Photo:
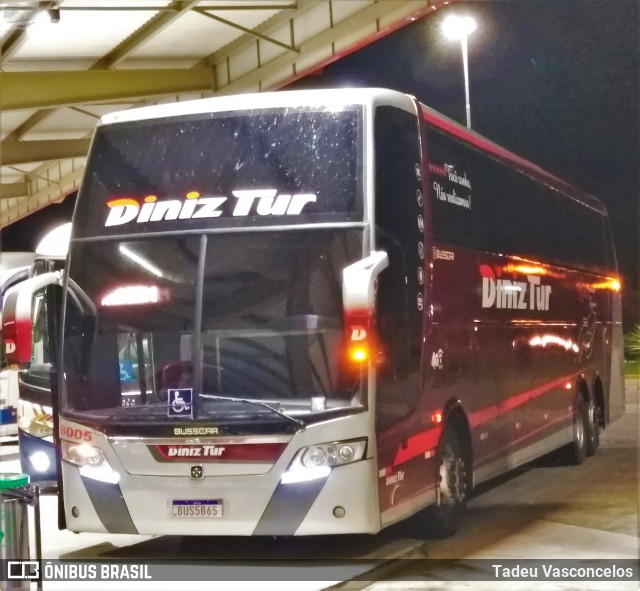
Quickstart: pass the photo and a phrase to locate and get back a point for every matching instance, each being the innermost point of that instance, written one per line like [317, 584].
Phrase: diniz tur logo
[512, 294]
[262, 202]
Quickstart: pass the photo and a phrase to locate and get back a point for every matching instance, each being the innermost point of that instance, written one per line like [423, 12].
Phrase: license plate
[206, 508]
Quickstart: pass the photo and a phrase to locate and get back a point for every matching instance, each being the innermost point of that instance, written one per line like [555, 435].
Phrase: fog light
[75, 511]
[339, 512]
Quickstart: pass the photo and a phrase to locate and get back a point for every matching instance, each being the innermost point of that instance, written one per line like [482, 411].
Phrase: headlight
[90, 461]
[40, 461]
[316, 461]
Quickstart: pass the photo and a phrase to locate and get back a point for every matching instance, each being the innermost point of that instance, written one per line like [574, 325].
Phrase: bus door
[402, 471]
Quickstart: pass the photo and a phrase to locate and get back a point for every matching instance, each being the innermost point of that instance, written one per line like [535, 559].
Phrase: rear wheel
[578, 447]
[593, 428]
[444, 517]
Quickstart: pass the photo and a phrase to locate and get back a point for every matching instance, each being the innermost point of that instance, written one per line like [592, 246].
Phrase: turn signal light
[359, 353]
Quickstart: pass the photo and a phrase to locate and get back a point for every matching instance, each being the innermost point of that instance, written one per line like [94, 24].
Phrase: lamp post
[460, 27]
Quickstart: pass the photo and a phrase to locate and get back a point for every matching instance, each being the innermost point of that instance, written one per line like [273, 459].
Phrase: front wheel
[444, 517]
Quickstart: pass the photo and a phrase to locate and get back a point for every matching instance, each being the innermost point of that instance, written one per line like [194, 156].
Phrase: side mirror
[17, 323]
[358, 300]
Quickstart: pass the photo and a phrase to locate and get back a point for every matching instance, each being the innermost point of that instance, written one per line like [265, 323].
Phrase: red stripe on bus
[428, 440]
[491, 412]
[417, 445]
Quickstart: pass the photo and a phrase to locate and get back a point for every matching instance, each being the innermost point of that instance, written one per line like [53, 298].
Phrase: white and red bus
[320, 312]
[35, 412]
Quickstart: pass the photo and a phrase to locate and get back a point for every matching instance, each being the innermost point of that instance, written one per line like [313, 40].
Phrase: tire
[444, 517]
[577, 450]
[593, 428]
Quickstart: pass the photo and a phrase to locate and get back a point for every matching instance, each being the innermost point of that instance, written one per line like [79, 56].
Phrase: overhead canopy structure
[66, 63]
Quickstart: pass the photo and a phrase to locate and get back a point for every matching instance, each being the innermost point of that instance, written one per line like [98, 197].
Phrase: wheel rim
[579, 427]
[594, 418]
[453, 479]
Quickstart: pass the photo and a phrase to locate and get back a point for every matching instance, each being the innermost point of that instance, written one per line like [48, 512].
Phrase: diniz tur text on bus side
[318, 312]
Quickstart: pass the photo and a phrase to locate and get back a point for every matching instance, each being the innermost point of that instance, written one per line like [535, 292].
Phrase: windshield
[271, 167]
[163, 328]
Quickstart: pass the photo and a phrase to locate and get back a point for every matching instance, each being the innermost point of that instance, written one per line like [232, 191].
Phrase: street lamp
[460, 27]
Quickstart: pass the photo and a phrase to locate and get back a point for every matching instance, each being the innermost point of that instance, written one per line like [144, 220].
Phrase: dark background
[556, 81]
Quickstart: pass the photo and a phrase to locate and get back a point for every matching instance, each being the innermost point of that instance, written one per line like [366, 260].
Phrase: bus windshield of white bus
[176, 317]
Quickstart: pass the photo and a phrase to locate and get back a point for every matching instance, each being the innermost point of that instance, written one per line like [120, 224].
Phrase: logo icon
[180, 402]
[197, 473]
[23, 569]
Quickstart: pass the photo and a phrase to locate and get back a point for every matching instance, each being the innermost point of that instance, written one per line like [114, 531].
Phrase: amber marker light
[526, 269]
[612, 284]
[568, 386]
[436, 417]
[359, 354]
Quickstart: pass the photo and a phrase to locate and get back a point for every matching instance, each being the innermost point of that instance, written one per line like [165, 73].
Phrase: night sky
[556, 81]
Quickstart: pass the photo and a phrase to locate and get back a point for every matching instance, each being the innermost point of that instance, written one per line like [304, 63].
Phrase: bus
[35, 412]
[14, 267]
[319, 312]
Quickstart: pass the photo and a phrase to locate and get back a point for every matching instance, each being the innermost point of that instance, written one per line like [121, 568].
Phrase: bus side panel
[532, 333]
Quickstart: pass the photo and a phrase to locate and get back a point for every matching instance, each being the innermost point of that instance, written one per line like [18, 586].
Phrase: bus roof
[338, 97]
[335, 97]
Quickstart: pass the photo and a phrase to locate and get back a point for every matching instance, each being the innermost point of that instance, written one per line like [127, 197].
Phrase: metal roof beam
[30, 123]
[42, 197]
[365, 18]
[264, 29]
[14, 40]
[251, 32]
[158, 23]
[36, 90]
[124, 8]
[35, 151]
[10, 190]
[154, 26]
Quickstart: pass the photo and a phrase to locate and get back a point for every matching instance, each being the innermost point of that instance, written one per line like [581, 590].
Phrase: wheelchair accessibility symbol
[180, 402]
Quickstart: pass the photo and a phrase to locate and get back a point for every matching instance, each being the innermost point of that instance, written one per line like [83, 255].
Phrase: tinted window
[480, 203]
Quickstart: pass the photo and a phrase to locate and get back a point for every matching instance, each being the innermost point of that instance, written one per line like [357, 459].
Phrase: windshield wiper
[257, 403]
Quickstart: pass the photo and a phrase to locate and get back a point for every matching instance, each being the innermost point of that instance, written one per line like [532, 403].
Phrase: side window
[399, 232]
[487, 205]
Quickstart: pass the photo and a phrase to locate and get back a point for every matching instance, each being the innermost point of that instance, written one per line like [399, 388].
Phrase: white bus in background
[14, 268]
[35, 414]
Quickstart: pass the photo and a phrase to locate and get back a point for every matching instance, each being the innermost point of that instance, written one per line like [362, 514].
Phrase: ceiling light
[54, 14]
